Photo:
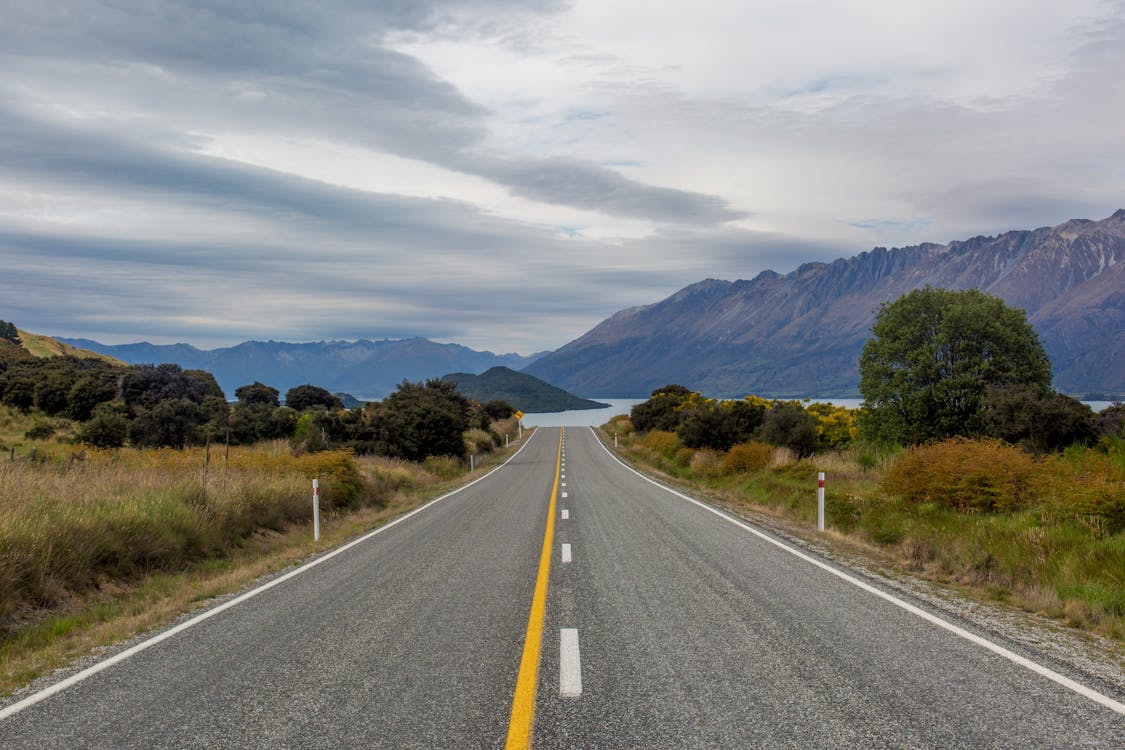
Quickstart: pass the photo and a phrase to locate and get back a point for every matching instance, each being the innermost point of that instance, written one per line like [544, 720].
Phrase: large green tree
[423, 419]
[934, 355]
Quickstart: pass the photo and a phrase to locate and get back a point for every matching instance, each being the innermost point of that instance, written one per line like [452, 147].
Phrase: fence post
[316, 510]
[820, 501]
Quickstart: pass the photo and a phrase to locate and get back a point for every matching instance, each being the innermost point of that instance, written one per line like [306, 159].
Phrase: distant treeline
[167, 406]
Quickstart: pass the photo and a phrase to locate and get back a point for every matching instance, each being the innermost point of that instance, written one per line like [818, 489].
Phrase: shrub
[107, 428]
[748, 456]
[478, 441]
[498, 410]
[719, 425]
[966, 475]
[1085, 485]
[662, 442]
[684, 456]
[790, 426]
[40, 431]
[1111, 420]
[836, 426]
[662, 410]
[622, 425]
[423, 419]
[707, 462]
[1042, 422]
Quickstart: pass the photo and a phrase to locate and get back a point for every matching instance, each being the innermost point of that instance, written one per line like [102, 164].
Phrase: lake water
[582, 417]
[597, 417]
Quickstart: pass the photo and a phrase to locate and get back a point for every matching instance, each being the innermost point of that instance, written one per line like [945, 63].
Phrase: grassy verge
[97, 550]
[1042, 536]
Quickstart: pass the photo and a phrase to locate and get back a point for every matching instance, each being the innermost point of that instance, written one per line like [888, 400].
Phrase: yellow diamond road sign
[519, 415]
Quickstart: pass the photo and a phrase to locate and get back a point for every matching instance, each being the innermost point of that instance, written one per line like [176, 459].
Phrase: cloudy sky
[505, 174]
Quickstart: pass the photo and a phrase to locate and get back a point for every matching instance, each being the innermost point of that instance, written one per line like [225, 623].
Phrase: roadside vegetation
[964, 467]
[100, 544]
[132, 493]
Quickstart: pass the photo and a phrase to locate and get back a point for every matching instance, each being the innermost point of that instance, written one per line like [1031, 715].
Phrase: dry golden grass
[61, 611]
[65, 525]
[46, 346]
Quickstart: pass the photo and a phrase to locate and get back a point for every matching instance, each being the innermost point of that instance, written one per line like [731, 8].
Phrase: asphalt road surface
[666, 625]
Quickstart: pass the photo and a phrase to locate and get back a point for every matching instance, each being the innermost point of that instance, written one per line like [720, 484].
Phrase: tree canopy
[257, 393]
[303, 397]
[423, 419]
[933, 358]
[9, 332]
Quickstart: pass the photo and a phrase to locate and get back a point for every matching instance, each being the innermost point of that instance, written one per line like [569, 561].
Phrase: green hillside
[45, 346]
[525, 392]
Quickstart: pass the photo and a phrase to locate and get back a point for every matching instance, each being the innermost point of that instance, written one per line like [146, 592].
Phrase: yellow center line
[523, 704]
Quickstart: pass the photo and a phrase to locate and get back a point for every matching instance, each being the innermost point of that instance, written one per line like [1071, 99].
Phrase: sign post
[316, 510]
[519, 421]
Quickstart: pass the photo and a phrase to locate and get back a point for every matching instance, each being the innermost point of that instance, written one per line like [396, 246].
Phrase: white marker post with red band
[820, 501]
[316, 511]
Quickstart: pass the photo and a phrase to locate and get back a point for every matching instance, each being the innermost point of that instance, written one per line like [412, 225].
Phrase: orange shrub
[969, 475]
[748, 456]
[621, 425]
[684, 456]
[1087, 485]
[664, 443]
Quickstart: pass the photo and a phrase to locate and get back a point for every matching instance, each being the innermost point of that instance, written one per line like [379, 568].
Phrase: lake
[582, 417]
[597, 417]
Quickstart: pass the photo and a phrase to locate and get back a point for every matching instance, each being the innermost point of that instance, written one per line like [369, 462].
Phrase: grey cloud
[581, 184]
[314, 70]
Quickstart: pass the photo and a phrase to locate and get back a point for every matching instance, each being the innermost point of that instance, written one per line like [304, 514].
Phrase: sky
[506, 174]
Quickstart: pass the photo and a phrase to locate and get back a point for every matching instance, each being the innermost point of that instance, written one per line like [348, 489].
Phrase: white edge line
[1023, 661]
[90, 671]
[570, 664]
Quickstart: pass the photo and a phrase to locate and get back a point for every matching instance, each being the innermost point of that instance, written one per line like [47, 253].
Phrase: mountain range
[797, 334]
[368, 369]
[800, 334]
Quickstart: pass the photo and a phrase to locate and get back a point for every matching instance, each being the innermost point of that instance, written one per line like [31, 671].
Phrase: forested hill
[524, 392]
[801, 334]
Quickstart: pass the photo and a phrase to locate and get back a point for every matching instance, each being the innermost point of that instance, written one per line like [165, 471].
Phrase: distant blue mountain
[368, 369]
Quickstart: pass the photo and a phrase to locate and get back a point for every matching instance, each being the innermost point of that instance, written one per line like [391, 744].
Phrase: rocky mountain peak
[800, 334]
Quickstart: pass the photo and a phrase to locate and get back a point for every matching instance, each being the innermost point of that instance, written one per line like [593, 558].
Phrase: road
[682, 630]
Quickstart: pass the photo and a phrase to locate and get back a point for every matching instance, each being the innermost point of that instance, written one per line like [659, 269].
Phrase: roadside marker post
[316, 510]
[820, 501]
